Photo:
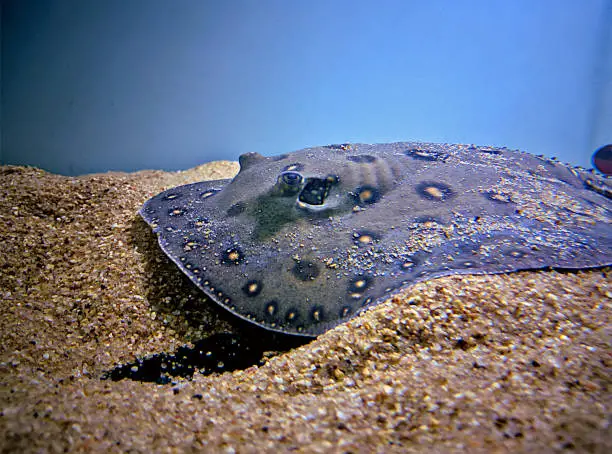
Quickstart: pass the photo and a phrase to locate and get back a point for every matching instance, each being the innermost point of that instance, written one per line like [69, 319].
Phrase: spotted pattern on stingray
[496, 196]
[252, 288]
[432, 190]
[172, 196]
[271, 308]
[304, 241]
[358, 285]
[424, 154]
[486, 149]
[176, 212]
[208, 193]
[232, 256]
[295, 167]
[365, 237]
[366, 195]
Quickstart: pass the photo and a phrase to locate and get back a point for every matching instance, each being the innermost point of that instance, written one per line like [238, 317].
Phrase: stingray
[304, 241]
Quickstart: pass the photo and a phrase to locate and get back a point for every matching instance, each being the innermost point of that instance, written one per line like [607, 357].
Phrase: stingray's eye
[290, 183]
[291, 178]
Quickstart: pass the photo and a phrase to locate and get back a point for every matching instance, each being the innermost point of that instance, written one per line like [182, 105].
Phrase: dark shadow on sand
[227, 343]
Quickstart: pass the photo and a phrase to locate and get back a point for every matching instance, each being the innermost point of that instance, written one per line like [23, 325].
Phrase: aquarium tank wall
[90, 86]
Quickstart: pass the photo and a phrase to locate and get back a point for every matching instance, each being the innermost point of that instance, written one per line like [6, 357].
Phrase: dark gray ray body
[301, 242]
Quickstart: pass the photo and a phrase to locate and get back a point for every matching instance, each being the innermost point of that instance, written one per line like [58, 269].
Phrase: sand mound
[507, 363]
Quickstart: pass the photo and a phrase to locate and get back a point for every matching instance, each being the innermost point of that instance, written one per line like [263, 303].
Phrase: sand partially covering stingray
[505, 363]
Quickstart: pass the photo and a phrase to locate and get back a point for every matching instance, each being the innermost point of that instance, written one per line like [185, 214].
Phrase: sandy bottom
[505, 363]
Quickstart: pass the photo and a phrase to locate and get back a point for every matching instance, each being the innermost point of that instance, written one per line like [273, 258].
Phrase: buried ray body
[304, 241]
